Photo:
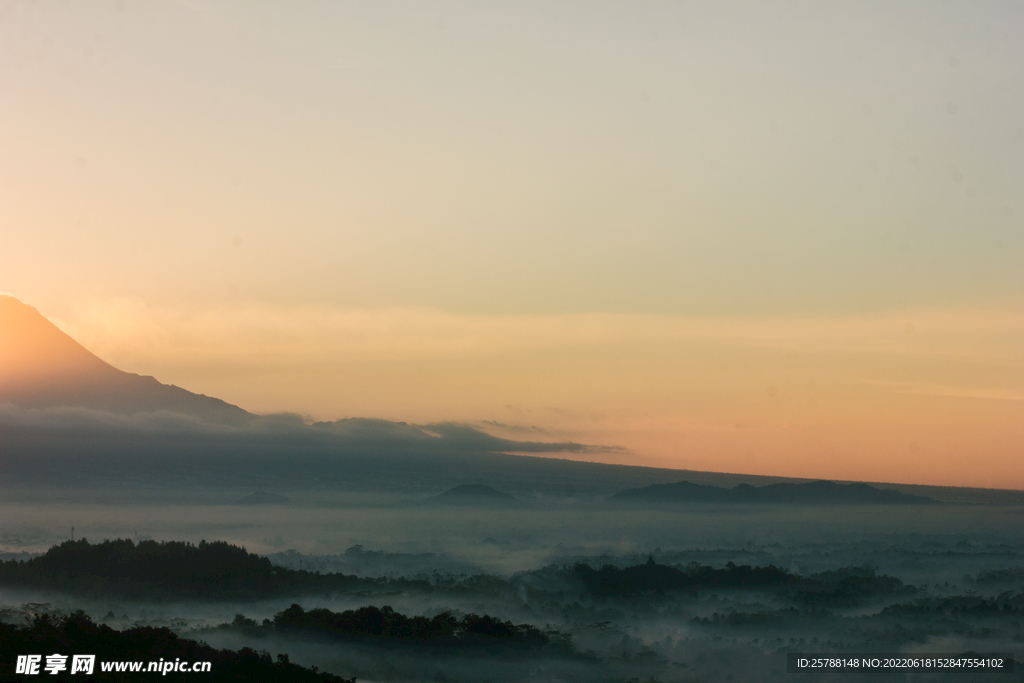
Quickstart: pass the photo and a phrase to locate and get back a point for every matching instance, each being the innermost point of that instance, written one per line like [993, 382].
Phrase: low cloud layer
[360, 433]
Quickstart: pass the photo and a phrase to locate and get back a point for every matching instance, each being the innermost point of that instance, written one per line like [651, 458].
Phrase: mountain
[41, 367]
[814, 492]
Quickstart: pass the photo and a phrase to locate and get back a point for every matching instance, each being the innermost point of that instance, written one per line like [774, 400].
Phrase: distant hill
[41, 367]
[173, 570]
[472, 494]
[815, 492]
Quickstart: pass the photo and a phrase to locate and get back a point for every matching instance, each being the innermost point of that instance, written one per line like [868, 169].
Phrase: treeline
[173, 569]
[850, 591]
[961, 617]
[845, 588]
[1001, 577]
[78, 634]
[961, 605]
[385, 626]
[653, 577]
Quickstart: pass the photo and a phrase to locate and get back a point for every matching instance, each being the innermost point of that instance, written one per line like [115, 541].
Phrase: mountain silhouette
[41, 367]
[814, 492]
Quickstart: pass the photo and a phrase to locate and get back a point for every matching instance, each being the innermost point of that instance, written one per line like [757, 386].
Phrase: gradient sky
[775, 238]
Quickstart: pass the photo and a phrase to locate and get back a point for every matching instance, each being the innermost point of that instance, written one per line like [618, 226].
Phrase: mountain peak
[42, 367]
[35, 353]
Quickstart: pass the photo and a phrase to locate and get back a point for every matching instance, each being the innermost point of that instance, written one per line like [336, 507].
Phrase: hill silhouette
[173, 570]
[475, 491]
[41, 367]
[846, 587]
[385, 626]
[814, 492]
[474, 494]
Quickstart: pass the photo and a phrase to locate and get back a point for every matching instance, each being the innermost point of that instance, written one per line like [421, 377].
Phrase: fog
[959, 570]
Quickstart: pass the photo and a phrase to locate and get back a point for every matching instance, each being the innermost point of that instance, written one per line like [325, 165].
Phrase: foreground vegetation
[78, 634]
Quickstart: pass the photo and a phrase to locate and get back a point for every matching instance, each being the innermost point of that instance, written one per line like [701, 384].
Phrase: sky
[771, 238]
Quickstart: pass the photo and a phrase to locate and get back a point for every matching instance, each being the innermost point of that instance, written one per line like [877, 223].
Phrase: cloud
[73, 419]
[353, 433]
[527, 429]
[474, 439]
[450, 436]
